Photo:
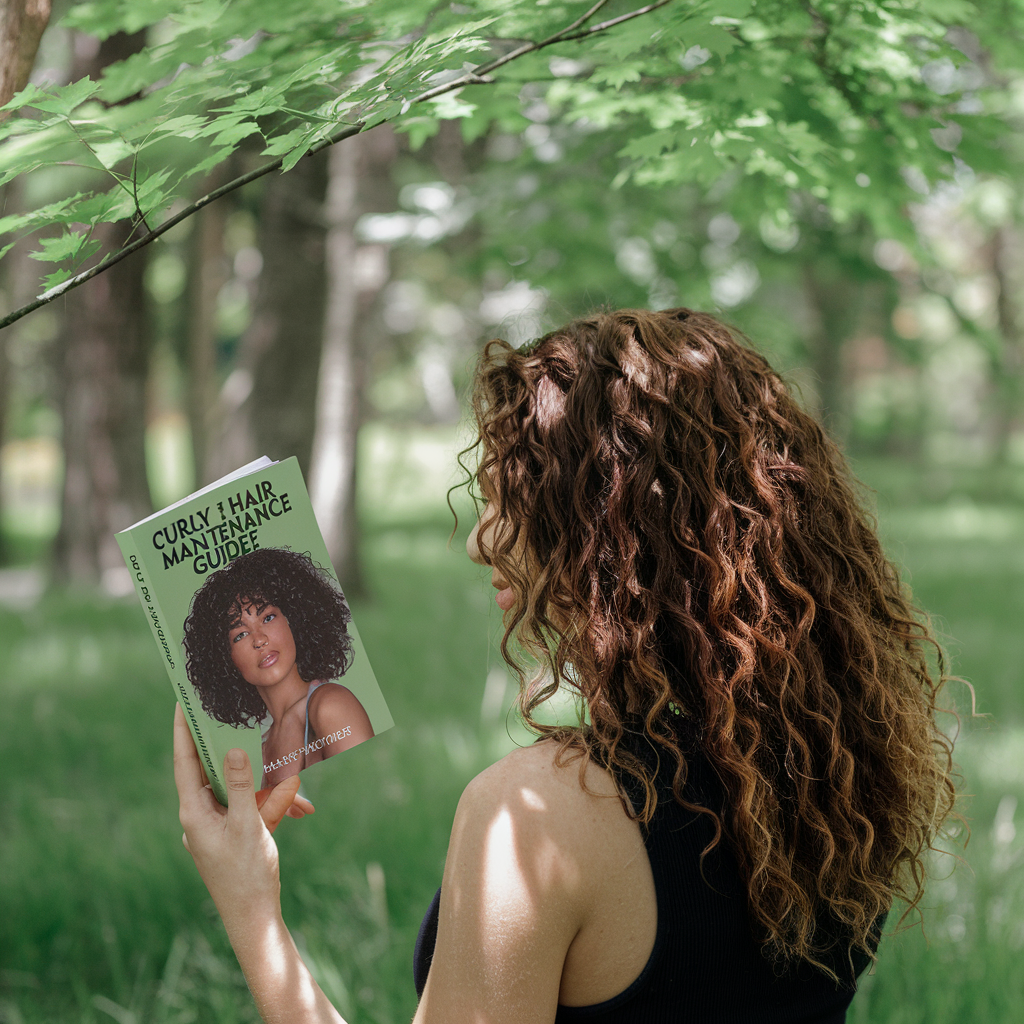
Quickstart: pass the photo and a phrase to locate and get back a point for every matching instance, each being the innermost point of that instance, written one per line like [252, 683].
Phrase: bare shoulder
[333, 706]
[536, 770]
[545, 802]
[332, 695]
[531, 854]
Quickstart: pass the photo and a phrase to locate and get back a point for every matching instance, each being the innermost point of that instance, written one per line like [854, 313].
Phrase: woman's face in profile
[482, 538]
[262, 645]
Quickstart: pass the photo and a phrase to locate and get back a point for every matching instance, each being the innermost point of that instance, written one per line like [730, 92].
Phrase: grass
[102, 915]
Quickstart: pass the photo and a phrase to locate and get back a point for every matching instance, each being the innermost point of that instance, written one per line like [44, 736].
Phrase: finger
[301, 807]
[238, 779]
[280, 800]
[304, 805]
[188, 770]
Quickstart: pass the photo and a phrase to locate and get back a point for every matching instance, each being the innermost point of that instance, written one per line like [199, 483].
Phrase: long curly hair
[317, 614]
[689, 556]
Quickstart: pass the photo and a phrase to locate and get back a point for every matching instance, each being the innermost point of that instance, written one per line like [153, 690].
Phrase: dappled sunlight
[30, 479]
[504, 870]
[405, 474]
[169, 462]
[510, 870]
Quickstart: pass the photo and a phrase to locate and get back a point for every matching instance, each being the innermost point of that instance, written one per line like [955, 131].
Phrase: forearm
[282, 987]
[237, 859]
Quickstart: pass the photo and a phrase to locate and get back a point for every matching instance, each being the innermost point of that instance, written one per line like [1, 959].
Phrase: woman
[760, 775]
[262, 639]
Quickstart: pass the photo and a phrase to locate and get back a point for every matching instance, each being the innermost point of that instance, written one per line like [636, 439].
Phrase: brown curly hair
[696, 555]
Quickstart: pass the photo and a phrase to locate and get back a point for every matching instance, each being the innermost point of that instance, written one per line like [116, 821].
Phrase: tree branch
[478, 75]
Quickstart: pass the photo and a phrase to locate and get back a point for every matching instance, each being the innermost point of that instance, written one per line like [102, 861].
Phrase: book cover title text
[233, 531]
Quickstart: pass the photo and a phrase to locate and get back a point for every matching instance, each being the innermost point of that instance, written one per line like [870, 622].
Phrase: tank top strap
[309, 696]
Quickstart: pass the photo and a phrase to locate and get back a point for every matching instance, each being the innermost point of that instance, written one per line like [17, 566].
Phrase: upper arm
[510, 902]
[335, 709]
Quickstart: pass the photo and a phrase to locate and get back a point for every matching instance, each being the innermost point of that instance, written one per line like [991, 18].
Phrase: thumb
[238, 780]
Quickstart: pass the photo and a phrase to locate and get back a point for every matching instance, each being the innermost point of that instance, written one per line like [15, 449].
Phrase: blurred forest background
[334, 312]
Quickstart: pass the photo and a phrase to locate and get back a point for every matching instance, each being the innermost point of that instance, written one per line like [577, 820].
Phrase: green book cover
[253, 626]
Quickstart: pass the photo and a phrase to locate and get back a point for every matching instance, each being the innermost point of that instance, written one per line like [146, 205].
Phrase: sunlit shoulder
[535, 865]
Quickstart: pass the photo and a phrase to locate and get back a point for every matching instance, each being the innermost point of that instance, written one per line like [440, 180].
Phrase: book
[253, 626]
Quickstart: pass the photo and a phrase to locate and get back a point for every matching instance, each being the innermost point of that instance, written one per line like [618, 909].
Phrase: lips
[505, 598]
[269, 659]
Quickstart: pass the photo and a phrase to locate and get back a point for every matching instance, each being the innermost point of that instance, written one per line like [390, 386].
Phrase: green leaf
[111, 153]
[64, 99]
[419, 129]
[649, 146]
[616, 75]
[386, 112]
[57, 277]
[451, 106]
[70, 245]
[62, 211]
[150, 190]
[234, 134]
[727, 8]
[218, 156]
[710, 37]
[184, 126]
[299, 152]
[625, 40]
[281, 144]
[26, 98]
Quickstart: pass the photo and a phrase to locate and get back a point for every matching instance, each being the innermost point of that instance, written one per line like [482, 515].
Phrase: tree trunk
[21, 27]
[359, 181]
[835, 302]
[103, 364]
[19, 279]
[102, 372]
[268, 402]
[1006, 251]
[208, 271]
[333, 479]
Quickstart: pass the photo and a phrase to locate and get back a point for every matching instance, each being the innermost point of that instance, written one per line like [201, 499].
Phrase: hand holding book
[236, 856]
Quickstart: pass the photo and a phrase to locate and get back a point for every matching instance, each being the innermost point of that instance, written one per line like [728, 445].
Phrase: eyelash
[269, 617]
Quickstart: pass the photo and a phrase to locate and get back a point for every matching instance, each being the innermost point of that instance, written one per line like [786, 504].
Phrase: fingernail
[236, 758]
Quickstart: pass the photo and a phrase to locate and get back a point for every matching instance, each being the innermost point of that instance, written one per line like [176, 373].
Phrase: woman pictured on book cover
[263, 640]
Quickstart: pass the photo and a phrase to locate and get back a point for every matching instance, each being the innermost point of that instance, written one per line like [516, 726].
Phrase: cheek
[285, 639]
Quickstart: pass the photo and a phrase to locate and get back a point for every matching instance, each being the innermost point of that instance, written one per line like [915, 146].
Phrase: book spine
[172, 661]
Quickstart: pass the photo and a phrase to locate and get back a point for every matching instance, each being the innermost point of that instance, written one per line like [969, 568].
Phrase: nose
[472, 545]
[259, 637]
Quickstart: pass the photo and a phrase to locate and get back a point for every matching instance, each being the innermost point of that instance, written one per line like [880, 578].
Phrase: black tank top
[707, 965]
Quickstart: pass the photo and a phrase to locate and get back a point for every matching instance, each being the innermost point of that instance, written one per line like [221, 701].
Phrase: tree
[276, 372]
[359, 181]
[103, 368]
[22, 23]
[793, 96]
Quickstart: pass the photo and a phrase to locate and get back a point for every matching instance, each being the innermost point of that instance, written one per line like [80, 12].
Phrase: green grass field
[102, 915]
